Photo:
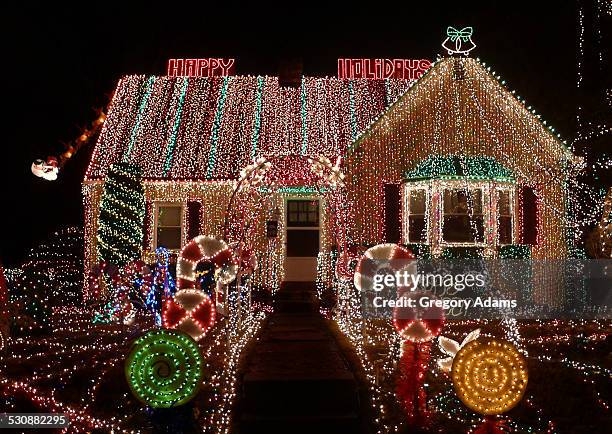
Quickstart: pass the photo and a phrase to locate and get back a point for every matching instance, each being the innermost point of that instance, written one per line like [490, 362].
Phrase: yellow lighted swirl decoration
[489, 376]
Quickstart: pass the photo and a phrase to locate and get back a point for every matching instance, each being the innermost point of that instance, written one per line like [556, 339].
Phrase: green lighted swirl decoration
[164, 368]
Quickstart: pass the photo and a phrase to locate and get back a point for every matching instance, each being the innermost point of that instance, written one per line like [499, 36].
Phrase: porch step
[296, 297]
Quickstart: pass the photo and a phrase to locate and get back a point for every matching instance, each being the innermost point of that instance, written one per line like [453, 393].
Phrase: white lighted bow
[330, 173]
[451, 348]
[253, 174]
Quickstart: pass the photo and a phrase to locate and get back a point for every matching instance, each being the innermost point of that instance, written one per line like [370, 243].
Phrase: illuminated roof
[210, 128]
[461, 107]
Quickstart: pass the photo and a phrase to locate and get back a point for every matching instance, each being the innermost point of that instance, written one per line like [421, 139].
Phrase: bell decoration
[459, 41]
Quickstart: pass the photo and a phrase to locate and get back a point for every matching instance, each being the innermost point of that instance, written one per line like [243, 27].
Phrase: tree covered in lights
[50, 276]
[122, 212]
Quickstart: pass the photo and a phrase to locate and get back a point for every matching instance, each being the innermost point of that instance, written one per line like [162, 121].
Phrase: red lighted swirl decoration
[191, 310]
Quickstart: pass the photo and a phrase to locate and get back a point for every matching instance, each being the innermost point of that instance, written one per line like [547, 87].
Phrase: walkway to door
[296, 379]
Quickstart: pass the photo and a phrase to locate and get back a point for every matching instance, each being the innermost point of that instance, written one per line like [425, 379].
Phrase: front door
[302, 240]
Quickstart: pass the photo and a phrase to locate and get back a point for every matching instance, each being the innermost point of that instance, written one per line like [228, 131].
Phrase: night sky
[64, 62]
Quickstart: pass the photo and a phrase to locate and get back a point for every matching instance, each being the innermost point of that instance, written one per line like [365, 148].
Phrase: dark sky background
[62, 62]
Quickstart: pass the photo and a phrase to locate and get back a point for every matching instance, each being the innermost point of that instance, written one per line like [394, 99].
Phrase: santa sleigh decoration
[46, 169]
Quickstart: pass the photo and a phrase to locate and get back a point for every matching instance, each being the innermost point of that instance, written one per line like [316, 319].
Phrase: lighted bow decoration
[451, 347]
[330, 173]
[459, 41]
[48, 169]
[253, 174]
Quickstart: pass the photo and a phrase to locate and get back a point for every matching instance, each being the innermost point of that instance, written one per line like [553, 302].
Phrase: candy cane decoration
[204, 248]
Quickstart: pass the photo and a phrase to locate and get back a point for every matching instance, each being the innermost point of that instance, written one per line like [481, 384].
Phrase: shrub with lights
[60, 259]
[30, 296]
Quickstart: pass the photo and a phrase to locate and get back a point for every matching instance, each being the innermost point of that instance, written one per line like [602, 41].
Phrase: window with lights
[453, 201]
[169, 226]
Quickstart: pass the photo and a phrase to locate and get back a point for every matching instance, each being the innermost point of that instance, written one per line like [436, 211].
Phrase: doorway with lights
[302, 235]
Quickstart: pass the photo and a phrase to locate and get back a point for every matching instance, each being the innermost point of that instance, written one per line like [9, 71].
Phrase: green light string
[214, 137]
[460, 167]
[139, 115]
[175, 127]
[255, 137]
[304, 118]
[292, 190]
[352, 111]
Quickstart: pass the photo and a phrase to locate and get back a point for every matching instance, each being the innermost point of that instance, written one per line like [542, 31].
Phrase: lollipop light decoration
[416, 326]
[391, 255]
[164, 368]
[490, 378]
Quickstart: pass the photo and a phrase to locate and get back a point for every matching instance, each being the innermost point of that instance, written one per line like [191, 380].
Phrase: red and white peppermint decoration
[418, 324]
[369, 264]
[190, 311]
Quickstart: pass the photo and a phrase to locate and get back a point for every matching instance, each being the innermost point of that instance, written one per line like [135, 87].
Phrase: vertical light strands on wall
[304, 111]
[461, 115]
[215, 109]
[122, 209]
[257, 122]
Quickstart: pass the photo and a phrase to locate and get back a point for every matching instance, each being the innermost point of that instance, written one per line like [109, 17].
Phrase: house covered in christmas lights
[452, 161]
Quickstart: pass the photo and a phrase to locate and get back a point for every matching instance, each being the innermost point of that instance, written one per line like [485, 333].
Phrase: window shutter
[392, 213]
[147, 230]
[194, 209]
[529, 216]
